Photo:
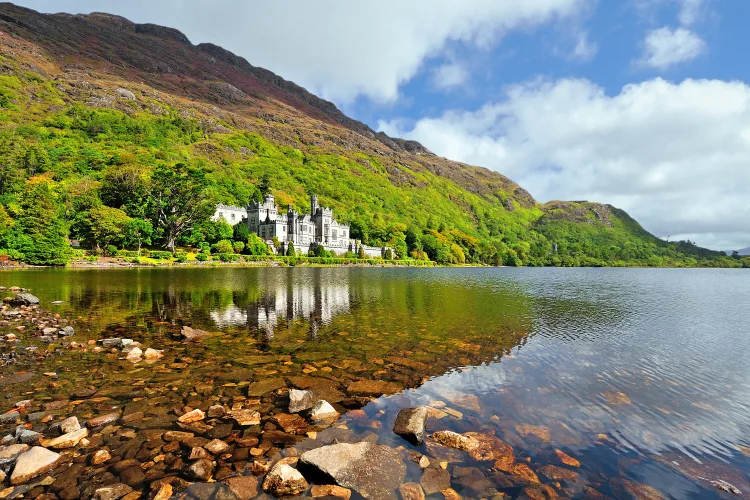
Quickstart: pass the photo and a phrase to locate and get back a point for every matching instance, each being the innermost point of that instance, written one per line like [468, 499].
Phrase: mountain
[91, 105]
[743, 252]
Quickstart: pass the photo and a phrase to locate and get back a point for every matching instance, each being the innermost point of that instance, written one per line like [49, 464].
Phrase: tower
[313, 204]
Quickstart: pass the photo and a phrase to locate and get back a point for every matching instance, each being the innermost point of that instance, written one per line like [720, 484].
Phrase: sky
[642, 104]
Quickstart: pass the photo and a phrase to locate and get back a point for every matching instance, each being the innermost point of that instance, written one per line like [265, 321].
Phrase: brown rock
[411, 491]
[177, 436]
[202, 470]
[264, 386]
[451, 494]
[109, 418]
[164, 493]
[245, 417]
[192, 334]
[373, 387]
[567, 459]
[100, 457]
[330, 490]
[192, 416]
[283, 479]
[434, 480]
[290, 423]
[32, 463]
[555, 473]
[624, 489]
[216, 446]
[243, 487]
[68, 440]
[454, 440]
[112, 492]
[540, 433]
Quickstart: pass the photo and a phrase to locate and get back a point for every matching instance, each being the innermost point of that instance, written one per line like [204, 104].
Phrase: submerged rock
[455, 440]
[300, 400]
[283, 479]
[102, 420]
[323, 412]
[330, 491]
[411, 491]
[32, 463]
[193, 334]
[410, 424]
[70, 424]
[24, 299]
[245, 417]
[629, 490]
[68, 440]
[192, 416]
[374, 471]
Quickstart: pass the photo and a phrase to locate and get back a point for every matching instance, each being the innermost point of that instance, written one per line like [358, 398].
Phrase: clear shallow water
[638, 373]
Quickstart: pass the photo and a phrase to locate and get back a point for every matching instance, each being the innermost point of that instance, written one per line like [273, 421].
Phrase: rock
[435, 480]
[112, 492]
[24, 299]
[68, 440]
[215, 411]
[10, 417]
[533, 431]
[293, 424]
[8, 454]
[330, 490]
[411, 491]
[67, 331]
[217, 446]
[125, 94]
[100, 457]
[113, 342]
[567, 459]
[192, 416]
[134, 355]
[198, 453]
[243, 487]
[70, 424]
[300, 400]
[177, 436]
[374, 471]
[451, 494]
[132, 476]
[202, 470]
[555, 473]
[164, 493]
[264, 386]
[109, 418]
[323, 411]
[492, 448]
[424, 462]
[32, 463]
[373, 387]
[628, 490]
[455, 440]
[245, 417]
[192, 334]
[283, 479]
[410, 424]
[27, 436]
[152, 354]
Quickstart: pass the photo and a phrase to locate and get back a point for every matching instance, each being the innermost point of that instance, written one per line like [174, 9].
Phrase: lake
[640, 375]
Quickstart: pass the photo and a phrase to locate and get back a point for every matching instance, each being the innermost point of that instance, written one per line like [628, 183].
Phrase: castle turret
[313, 204]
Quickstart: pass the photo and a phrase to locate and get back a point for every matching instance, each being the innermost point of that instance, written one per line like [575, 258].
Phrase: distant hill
[744, 252]
[93, 104]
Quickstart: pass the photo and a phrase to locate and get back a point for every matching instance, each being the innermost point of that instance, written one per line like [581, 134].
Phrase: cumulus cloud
[584, 49]
[690, 11]
[674, 156]
[665, 47]
[448, 76]
[340, 50]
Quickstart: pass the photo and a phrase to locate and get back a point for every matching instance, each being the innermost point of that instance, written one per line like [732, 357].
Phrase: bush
[112, 250]
[205, 247]
[238, 246]
[160, 254]
[228, 257]
[223, 246]
[201, 257]
[181, 257]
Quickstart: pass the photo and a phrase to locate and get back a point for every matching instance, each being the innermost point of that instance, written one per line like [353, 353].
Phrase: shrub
[181, 257]
[201, 257]
[223, 246]
[112, 250]
[238, 246]
[160, 254]
[205, 247]
[228, 257]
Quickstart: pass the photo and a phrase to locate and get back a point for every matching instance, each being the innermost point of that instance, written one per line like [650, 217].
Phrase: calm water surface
[638, 373]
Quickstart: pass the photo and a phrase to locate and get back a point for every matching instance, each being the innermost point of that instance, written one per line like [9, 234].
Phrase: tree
[238, 246]
[265, 185]
[125, 187]
[256, 246]
[138, 232]
[361, 252]
[108, 226]
[290, 251]
[36, 160]
[223, 246]
[388, 254]
[241, 232]
[43, 238]
[178, 201]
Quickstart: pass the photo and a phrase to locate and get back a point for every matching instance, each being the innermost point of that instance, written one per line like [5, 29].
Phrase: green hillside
[93, 155]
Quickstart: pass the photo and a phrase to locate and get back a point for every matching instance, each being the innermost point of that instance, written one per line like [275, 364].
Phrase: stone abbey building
[304, 231]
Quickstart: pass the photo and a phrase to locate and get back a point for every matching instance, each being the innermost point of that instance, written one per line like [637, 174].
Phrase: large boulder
[374, 471]
[32, 463]
[300, 400]
[24, 299]
[410, 424]
[283, 480]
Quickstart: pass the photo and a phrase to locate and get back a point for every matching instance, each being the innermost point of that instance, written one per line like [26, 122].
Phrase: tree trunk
[170, 242]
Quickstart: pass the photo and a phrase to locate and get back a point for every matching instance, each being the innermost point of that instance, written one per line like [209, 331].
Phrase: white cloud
[451, 75]
[674, 156]
[342, 49]
[690, 11]
[584, 50]
[665, 47]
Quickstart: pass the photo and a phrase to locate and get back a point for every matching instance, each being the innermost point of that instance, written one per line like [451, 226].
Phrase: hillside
[94, 108]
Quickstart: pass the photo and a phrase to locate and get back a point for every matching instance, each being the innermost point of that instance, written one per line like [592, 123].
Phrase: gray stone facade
[304, 231]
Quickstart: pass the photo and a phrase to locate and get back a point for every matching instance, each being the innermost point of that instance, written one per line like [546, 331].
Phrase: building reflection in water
[315, 299]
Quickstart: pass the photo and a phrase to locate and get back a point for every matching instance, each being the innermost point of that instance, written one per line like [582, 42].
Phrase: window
[335, 234]
[232, 216]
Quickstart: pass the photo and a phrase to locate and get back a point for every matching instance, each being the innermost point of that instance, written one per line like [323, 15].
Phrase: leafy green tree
[138, 232]
[43, 238]
[290, 251]
[265, 185]
[36, 160]
[241, 232]
[125, 187]
[178, 201]
[238, 246]
[108, 226]
[361, 252]
[223, 246]
[388, 254]
[256, 246]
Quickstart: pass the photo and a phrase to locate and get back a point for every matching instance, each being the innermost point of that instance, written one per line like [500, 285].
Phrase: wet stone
[283, 479]
[192, 416]
[216, 447]
[32, 463]
[112, 492]
[243, 487]
[455, 440]
[435, 480]
[373, 387]
[202, 470]
[109, 418]
[300, 400]
[410, 424]
[9, 418]
[411, 491]
[70, 424]
[624, 489]
[265, 386]
[374, 471]
[555, 473]
[322, 411]
[100, 457]
[215, 411]
[331, 491]
[68, 440]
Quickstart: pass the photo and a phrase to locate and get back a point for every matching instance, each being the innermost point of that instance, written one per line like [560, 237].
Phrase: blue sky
[643, 104]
